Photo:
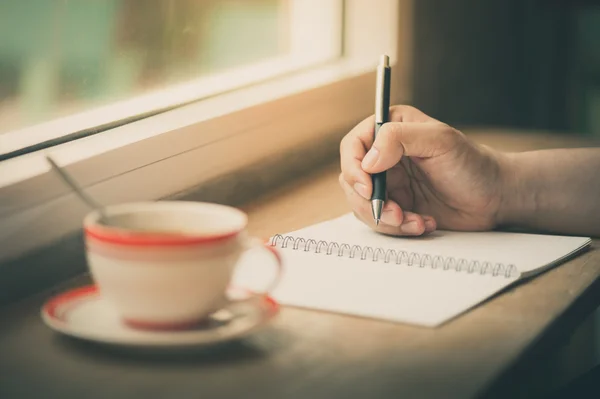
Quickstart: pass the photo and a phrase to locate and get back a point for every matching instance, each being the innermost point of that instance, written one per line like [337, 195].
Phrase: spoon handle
[82, 194]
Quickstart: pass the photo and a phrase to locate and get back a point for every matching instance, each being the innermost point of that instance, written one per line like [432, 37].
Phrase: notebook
[343, 266]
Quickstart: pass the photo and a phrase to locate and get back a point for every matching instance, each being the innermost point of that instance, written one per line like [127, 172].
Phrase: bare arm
[552, 190]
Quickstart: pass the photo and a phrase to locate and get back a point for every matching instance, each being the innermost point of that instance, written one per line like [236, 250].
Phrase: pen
[382, 110]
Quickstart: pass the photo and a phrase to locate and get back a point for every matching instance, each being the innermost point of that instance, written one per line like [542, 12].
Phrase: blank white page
[408, 294]
[391, 292]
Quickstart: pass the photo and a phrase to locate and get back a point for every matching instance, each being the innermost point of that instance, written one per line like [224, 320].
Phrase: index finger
[352, 151]
[365, 130]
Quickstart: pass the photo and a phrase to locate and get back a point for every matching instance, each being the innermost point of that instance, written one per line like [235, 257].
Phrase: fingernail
[429, 224]
[362, 190]
[388, 218]
[371, 158]
[410, 227]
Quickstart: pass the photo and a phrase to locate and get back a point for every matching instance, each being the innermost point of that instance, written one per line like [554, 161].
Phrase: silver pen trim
[377, 207]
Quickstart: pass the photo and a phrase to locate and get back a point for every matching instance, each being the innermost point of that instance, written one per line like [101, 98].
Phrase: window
[279, 74]
[92, 65]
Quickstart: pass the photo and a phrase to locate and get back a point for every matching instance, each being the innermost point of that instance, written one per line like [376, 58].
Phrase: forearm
[552, 190]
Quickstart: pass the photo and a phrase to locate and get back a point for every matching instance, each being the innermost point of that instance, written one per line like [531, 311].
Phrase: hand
[436, 177]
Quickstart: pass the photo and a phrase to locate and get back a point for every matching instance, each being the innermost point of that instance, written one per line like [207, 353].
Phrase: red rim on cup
[130, 236]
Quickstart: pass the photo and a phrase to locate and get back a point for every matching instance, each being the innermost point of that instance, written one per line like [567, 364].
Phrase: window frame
[159, 156]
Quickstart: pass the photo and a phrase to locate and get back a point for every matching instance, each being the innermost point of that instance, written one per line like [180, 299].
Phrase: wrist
[517, 191]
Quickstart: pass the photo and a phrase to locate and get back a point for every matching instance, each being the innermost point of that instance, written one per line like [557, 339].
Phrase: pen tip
[377, 207]
[385, 60]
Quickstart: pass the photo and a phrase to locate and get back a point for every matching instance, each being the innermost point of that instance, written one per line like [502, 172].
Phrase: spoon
[92, 203]
[79, 191]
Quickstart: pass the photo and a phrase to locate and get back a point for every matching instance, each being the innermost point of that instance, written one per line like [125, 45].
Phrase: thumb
[417, 139]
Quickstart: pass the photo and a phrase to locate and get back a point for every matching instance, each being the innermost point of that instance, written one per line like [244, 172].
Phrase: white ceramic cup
[168, 264]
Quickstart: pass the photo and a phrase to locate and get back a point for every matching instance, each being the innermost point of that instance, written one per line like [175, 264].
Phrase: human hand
[436, 177]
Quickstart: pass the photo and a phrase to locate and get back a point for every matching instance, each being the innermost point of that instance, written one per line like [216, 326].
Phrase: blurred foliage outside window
[62, 57]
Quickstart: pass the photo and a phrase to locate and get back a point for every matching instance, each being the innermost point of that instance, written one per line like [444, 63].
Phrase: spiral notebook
[343, 266]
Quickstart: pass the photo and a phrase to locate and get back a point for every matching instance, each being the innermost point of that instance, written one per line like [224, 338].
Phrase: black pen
[382, 111]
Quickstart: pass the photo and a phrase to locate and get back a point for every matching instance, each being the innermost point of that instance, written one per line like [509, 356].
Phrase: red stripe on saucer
[51, 308]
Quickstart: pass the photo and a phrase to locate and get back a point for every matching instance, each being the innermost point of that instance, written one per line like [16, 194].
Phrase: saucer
[84, 314]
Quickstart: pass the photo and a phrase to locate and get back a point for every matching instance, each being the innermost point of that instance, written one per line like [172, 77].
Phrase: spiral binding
[397, 257]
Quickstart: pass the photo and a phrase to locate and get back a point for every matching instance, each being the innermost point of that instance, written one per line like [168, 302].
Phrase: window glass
[58, 58]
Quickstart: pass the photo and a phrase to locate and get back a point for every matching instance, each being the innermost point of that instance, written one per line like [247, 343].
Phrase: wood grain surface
[308, 354]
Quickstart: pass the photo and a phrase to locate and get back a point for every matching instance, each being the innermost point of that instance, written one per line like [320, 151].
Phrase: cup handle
[254, 243]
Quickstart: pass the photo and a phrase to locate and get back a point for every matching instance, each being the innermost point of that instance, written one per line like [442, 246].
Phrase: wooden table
[488, 351]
